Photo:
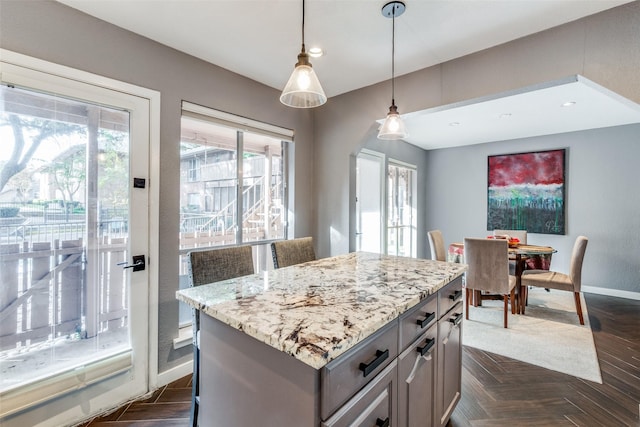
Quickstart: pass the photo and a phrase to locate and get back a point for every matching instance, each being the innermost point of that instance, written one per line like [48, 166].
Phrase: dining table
[524, 257]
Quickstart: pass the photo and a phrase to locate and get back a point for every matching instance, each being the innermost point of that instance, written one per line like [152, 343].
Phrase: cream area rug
[548, 335]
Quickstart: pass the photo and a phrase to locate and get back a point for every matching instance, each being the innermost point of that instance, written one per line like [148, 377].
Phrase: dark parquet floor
[496, 391]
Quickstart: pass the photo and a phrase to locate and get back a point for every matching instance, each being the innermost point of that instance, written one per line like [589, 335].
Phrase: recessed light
[454, 124]
[505, 115]
[569, 104]
[315, 52]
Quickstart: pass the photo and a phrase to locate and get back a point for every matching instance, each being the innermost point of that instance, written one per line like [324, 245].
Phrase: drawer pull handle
[456, 295]
[382, 423]
[381, 356]
[428, 318]
[456, 319]
[427, 346]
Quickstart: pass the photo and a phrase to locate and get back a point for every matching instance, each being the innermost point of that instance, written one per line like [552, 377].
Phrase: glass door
[401, 210]
[74, 311]
[369, 202]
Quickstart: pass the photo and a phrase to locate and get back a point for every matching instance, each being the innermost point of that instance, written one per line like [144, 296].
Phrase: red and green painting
[526, 191]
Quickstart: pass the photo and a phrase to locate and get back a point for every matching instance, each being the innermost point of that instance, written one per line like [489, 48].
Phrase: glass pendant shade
[303, 90]
[393, 126]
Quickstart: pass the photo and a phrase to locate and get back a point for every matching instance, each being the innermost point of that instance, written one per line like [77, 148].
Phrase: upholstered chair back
[215, 265]
[292, 252]
[488, 261]
[518, 234]
[436, 243]
[577, 257]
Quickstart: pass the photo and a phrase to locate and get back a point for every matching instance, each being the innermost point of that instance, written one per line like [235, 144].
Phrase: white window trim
[236, 122]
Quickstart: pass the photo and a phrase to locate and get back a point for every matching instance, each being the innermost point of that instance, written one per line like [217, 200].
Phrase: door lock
[138, 263]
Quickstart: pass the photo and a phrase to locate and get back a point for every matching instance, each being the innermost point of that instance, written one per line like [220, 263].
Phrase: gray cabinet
[374, 405]
[416, 381]
[421, 381]
[406, 374]
[449, 359]
[343, 377]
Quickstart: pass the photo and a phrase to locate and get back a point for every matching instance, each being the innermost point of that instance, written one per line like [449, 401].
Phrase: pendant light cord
[393, 55]
[303, 24]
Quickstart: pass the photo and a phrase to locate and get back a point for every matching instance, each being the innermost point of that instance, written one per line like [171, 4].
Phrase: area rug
[548, 335]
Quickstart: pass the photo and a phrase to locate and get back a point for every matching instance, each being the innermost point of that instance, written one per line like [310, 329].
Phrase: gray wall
[603, 201]
[56, 33]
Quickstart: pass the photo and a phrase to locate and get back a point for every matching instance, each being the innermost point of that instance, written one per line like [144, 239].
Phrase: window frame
[241, 126]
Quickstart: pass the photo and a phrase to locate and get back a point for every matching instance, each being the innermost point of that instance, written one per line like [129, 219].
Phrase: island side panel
[245, 382]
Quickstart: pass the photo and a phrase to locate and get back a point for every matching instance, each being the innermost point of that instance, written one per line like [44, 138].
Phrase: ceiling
[566, 105]
[260, 39]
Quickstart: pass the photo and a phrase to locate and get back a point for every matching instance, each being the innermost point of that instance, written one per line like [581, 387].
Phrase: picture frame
[526, 191]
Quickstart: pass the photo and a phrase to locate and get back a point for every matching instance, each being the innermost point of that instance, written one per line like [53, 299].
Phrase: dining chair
[291, 252]
[488, 271]
[205, 267]
[436, 243]
[521, 235]
[571, 282]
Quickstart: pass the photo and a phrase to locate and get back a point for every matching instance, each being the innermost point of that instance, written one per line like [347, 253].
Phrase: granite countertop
[318, 310]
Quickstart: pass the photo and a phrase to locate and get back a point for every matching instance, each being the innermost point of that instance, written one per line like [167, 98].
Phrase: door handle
[138, 263]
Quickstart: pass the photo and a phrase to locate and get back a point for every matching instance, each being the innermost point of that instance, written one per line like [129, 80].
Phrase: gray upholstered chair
[518, 234]
[436, 243]
[571, 282]
[291, 252]
[205, 267]
[488, 262]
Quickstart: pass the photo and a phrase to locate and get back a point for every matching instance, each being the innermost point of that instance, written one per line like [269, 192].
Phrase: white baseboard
[611, 292]
[175, 373]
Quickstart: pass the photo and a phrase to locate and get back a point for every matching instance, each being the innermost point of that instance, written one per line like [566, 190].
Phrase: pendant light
[303, 89]
[393, 126]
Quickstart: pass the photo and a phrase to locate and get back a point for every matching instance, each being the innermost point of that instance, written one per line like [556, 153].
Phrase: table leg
[521, 291]
[477, 298]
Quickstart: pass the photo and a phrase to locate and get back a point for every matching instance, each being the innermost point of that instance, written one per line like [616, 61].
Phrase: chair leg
[195, 387]
[513, 301]
[576, 297]
[506, 308]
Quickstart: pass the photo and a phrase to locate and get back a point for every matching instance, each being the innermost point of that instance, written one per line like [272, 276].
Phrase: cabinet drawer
[373, 406]
[417, 320]
[449, 296]
[346, 375]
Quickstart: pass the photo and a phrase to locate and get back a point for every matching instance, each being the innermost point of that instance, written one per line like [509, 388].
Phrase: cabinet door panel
[416, 382]
[449, 364]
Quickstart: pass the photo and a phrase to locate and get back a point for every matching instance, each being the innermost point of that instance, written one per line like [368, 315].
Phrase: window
[401, 209]
[385, 205]
[233, 185]
[194, 169]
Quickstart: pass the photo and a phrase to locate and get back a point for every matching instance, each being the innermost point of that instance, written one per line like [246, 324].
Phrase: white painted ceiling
[526, 112]
[261, 39]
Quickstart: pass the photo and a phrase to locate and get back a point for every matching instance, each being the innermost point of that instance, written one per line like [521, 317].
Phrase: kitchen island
[361, 338]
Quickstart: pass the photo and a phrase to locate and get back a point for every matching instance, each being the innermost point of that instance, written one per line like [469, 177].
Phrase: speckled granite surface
[318, 310]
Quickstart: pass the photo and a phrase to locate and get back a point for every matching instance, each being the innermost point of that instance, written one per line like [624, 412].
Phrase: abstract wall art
[526, 191]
